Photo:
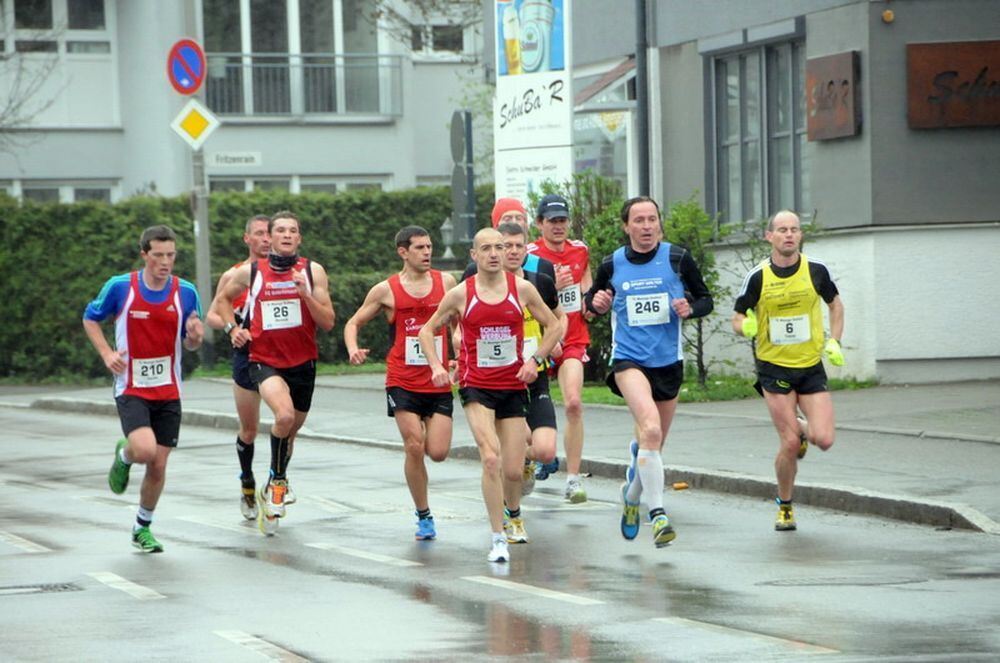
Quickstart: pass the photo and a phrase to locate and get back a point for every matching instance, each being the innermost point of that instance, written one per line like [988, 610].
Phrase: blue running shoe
[546, 469]
[630, 515]
[633, 452]
[425, 529]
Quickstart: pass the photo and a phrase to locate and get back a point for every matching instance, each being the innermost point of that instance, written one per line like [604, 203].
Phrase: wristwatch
[230, 326]
[538, 360]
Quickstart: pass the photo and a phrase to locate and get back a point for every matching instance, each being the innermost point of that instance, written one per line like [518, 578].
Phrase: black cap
[553, 206]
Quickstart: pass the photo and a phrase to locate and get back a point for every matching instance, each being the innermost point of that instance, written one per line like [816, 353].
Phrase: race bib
[281, 313]
[154, 372]
[530, 348]
[569, 298]
[789, 331]
[644, 310]
[502, 352]
[415, 354]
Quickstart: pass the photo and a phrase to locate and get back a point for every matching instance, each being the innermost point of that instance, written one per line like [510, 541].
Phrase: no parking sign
[186, 66]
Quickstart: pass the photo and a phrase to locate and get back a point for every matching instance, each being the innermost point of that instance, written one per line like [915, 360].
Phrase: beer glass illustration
[512, 40]
[536, 35]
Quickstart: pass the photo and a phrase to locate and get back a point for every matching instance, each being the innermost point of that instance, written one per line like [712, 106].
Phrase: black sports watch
[538, 361]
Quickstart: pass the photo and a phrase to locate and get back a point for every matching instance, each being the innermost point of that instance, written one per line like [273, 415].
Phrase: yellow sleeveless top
[790, 321]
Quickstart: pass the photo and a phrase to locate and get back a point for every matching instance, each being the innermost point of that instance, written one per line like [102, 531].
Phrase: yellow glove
[833, 352]
[750, 324]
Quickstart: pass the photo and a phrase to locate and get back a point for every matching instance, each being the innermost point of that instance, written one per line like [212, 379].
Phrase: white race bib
[415, 354]
[154, 372]
[281, 313]
[530, 348]
[789, 331]
[569, 298]
[644, 310]
[502, 352]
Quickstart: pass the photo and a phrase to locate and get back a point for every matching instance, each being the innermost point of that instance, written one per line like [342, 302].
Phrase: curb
[840, 498]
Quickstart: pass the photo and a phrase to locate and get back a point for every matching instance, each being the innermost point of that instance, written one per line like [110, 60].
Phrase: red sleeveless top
[150, 334]
[282, 329]
[406, 365]
[492, 339]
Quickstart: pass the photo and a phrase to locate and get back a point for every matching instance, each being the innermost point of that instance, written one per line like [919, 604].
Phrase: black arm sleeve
[695, 290]
[470, 270]
[822, 281]
[602, 281]
[547, 268]
[750, 294]
[547, 289]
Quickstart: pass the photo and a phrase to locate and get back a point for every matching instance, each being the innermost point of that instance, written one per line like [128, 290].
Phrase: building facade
[326, 95]
[746, 114]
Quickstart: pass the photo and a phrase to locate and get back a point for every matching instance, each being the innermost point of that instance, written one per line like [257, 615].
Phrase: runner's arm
[449, 307]
[379, 298]
[212, 318]
[318, 298]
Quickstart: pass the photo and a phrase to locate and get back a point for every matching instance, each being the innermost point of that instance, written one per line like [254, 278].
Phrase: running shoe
[546, 469]
[663, 533]
[528, 478]
[425, 529]
[803, 440]
[289, 494]
[785, 521]
[118, 474]
[272, 498]
[630, 515]
[248, 505]
[514, 528]
[575, 492]
[633, 453]
[499, 552]
[144, 540]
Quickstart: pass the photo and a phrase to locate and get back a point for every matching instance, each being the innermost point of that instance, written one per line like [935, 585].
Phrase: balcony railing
[307, 84]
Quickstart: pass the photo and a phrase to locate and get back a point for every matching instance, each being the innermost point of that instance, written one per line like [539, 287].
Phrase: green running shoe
[118, 475]
[663, 533]
[144, 540]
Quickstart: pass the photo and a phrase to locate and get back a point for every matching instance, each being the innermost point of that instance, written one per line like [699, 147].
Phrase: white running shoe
[575, 492]
[499, 552]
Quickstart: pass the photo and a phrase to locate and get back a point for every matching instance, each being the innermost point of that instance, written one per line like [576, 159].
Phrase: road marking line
[328, 505]
[364, 554]
[22, 543]
[560, 503]
[219, 524]
[117, 582]
[726, 630]
[107, 501]
[263, 647]
[535, 591]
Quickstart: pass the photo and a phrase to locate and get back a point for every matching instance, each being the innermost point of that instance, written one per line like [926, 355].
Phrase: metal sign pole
[203, 256]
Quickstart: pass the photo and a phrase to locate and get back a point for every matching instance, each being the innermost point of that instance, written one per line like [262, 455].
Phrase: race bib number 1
[415, 354]
[154, 372]
[502, 352]
[644, 310]
[569, 298]
[791, 330]
[281, 313]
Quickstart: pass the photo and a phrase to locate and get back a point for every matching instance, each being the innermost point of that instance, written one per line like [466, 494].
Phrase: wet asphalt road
[344, 579]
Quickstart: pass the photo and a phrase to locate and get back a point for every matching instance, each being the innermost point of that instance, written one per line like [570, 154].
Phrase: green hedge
[58, 256]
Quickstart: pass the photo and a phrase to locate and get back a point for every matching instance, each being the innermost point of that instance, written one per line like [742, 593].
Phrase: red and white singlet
[492, 339]
[282, 329]
[150, 336]
[576, 256]
[406, 364]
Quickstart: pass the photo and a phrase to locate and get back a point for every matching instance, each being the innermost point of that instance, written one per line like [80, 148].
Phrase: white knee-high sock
[651, 475]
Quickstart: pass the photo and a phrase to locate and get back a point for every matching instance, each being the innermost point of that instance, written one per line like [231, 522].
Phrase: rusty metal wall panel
[833, 96]
[953, 84]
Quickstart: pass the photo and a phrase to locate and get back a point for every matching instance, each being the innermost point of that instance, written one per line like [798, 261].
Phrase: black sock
[653, 513]
[514, 513]
[423, 514]
[244, 452]
[279, 452]
[782, 502]
[288, 454]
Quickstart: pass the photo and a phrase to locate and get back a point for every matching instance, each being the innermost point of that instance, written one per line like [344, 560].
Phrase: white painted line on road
[560, 503]
[198, 520]
[534, 591]
[257, 645]
[117, 582]
[108, 501]
[22, 543]
[798, 645]
[328, 505]
[364, 554]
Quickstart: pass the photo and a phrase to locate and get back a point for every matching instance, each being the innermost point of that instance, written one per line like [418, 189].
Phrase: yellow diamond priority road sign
[195, 123]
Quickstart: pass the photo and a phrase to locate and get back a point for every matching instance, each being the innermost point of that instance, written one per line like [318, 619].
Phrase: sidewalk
[925, 454]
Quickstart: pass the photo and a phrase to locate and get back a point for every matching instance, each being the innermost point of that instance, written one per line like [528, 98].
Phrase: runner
[288, 299]
[572, 261]
[778, 307]
[651, 287]
[491, 374]
[245, 394]
[155, 312]
[422, 410]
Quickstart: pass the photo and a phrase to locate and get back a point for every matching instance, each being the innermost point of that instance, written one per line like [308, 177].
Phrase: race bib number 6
[281, 313]
[790, 330]
[501, 352]
[154, 372]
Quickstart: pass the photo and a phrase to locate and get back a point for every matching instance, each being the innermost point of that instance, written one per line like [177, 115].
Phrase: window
[226, 185]
[760, 132]
[99, 194]
[271, 184]
[41, 194]
[33, 14]
[85, 14]
[320, 187]
[441, 39]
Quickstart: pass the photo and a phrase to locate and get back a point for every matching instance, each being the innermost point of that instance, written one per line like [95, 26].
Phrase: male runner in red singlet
[492, 377]
[572, 260]
[289, 297]
[422, 410]
[154, 312]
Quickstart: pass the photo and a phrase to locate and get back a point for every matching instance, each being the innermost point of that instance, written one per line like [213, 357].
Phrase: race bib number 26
[281, 313]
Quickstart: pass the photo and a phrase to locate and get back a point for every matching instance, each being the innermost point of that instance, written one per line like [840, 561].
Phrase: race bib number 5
[502, 352]
[790, 330]
[281, 313]
[154, 372]
[644, 310]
